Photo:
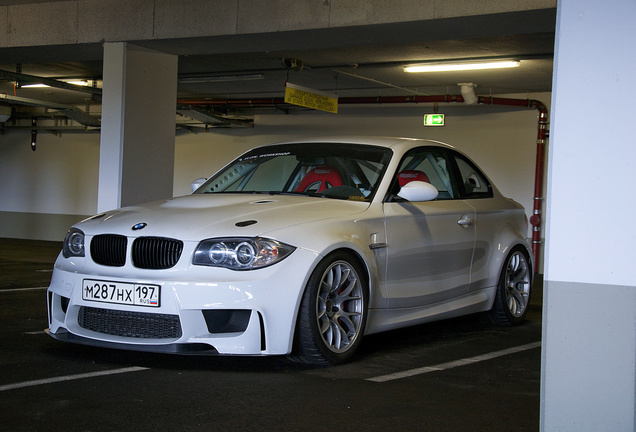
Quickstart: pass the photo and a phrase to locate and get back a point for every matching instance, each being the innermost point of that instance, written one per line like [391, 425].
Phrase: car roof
[389, 142]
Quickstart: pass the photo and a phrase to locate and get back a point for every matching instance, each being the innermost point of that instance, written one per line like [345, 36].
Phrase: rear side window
[431, 165]
[454, 175]
[473, 184]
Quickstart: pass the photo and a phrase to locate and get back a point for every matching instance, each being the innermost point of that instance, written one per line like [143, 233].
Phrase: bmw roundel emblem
[139, 226]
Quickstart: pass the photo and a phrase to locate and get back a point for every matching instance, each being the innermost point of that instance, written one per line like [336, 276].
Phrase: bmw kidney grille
[156, 253]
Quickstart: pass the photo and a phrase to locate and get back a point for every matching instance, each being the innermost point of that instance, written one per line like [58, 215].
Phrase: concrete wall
[91, 21]
[589, 319]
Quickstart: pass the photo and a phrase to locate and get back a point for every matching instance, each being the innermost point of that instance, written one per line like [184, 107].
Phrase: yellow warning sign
[308, 98]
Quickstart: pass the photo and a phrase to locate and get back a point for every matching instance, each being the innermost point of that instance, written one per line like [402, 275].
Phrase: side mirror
[197, 183]
[418, 191]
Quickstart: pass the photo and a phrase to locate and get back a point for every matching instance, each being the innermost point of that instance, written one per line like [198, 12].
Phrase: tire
[512, 298]
[333, 312]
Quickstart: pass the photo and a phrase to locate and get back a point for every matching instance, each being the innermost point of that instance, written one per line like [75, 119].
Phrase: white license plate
[121, 293]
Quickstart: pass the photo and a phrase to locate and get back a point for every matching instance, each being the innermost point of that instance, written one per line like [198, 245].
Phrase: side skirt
[380, 320]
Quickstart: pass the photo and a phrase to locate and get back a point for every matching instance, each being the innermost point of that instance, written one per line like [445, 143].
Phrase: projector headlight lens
[241, 253]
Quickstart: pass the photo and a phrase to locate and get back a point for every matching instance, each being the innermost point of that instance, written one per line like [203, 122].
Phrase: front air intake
[130, 324]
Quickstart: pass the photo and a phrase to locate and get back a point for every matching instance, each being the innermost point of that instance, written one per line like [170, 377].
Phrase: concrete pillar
[138, 126]
[588, 378]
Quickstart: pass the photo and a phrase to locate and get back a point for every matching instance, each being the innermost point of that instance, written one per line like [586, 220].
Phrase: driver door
[430, 244]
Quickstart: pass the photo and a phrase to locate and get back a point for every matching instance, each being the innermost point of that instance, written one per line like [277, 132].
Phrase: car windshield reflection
[326, 170]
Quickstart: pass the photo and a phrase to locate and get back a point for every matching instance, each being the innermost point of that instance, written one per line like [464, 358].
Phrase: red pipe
[341, 101]
[542, 134]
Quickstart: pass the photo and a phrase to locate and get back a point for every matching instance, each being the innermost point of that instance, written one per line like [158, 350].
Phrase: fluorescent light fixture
[74, 82]
[219, 78]
[79, 83]
[450, 67]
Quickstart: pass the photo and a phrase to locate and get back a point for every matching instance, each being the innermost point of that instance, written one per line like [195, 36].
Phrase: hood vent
[245, 223]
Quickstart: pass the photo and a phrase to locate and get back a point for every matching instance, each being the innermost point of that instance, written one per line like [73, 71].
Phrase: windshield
[342, 171]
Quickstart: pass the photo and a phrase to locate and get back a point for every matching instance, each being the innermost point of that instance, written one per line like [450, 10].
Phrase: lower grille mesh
[130, 324]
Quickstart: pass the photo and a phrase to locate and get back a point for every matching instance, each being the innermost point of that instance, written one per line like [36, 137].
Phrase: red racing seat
[407, 176]
[319, 178]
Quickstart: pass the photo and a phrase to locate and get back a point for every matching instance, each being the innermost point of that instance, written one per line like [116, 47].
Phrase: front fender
[354, 235]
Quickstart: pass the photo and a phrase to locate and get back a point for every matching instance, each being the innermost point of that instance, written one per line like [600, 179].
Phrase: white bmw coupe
[297, 248]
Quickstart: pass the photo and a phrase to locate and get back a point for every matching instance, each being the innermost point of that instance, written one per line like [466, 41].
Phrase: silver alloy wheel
[517, 284]
[340, 306]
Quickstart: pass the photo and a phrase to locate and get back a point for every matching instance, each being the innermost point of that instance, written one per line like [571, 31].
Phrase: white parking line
[454, 364]
[21, 289]
[69, 378]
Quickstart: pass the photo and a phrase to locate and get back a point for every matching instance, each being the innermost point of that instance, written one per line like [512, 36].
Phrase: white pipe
[468, 93]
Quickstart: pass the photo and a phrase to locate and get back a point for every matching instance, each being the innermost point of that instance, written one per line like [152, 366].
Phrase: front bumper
[188, 348]
[202, 310]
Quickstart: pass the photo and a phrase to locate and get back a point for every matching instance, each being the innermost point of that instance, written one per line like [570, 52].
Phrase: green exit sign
[433, 119]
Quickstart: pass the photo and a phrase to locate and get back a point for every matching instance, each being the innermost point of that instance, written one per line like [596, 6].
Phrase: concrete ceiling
[350, 61]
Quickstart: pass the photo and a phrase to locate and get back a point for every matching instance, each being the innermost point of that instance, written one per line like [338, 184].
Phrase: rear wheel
[333, 311]
[513, 290]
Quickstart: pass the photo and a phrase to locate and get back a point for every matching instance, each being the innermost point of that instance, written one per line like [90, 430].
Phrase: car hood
[195, 217]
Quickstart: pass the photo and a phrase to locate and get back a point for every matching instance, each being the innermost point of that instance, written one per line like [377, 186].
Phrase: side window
[428, 165]
[473, 183]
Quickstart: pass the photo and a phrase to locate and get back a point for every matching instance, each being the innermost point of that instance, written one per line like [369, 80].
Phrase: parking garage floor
[457, 375]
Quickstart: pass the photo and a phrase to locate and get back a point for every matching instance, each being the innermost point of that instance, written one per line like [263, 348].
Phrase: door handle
[465, 221]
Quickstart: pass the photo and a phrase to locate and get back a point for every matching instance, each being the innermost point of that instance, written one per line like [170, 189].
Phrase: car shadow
[385, 344]
[373, 347]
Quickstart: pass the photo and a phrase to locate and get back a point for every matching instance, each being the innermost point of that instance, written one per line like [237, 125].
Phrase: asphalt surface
[457, 375]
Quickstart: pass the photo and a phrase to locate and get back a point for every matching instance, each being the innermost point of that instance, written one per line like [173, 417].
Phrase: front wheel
[513, 290]
[333, 311]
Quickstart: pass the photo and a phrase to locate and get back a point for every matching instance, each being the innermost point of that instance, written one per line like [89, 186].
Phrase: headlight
[73, 243]
[240, 253]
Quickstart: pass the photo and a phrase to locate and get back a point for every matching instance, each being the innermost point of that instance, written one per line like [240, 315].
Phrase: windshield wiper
[311, 194]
